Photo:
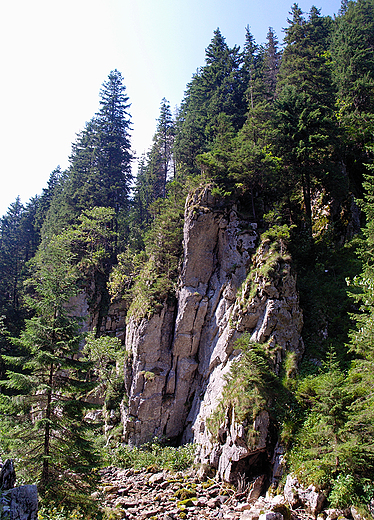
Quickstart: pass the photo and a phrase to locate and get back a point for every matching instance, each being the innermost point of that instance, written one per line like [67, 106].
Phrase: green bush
[153, 455]
[249, 386]
[342, 494]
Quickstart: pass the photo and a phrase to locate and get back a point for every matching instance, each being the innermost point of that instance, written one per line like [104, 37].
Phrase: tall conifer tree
[49, 377]
[352, 51]
[160, 157]
[114, 158]
[100, 170]
[216, 89]
[272, 59]
[305, 105]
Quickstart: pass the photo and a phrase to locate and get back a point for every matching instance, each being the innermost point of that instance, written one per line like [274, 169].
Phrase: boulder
[356, 515]
[312, 499]
[256, 489]
[21, 503]
[309, 498]
[271, 515]
[7, 475]
[251, 514]
[291, 492]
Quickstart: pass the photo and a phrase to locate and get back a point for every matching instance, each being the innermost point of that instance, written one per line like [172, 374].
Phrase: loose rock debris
[140, 495]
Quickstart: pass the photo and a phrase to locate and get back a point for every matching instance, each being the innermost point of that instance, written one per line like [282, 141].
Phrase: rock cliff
[178, 358]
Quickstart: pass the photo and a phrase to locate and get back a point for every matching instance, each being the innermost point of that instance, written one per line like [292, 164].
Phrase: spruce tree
[244, 161]
[18, 243]
[49, 377]
[334, 447]
[252, 71]
[114, 158]
[100, 163]
[163, 144]
[142, 197]
[45, 199]
[12, 258]
[305, 108]
[362, 336]
[159, 164]
[272, 60]
[352, 51]
[100, 173]
[215, 89]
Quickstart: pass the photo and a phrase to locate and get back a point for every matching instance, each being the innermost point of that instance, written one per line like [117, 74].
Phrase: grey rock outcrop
[217, 253]
[7, 475]
[148, 343]
[20, 503]
[179, 357]
[309, 498]
[16, 503]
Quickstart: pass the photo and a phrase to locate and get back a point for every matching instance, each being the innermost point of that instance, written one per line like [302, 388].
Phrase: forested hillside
[284, 133]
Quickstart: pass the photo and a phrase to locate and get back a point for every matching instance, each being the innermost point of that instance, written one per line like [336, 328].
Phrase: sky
[55, 55]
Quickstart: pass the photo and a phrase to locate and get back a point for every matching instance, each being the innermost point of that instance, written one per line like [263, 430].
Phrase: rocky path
[131, 494]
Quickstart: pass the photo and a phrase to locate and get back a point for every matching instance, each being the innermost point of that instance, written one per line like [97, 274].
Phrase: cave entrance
[246, 470]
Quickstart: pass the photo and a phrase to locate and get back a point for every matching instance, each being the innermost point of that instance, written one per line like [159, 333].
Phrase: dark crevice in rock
[250, 467]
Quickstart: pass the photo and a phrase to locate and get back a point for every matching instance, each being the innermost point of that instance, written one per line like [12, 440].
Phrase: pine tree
[272, 59]
[334, 447]
[100, 173]
[244, 160]
[94, 240]
[254, 165]
[82, 185]
[114, 158]
[305, 108]
[100, 163]
[142, 196]
[29, 227]
[155, 168]
[352, 51]
[11, 254]
[18, 243]
[222, 81]
[362, 337]
[45, 199]
[353, 70]
[250, 67]
[163, 147]
[215, 89]
[50, 377]
[320, 445]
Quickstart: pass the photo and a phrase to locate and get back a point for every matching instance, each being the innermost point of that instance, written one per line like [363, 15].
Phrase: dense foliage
[286, 135]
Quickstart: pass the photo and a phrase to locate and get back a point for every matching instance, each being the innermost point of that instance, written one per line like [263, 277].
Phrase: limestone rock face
[182, 342]
[179, 357]
[148, 345]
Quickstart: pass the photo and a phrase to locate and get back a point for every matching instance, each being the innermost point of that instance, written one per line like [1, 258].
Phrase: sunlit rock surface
[179, 357]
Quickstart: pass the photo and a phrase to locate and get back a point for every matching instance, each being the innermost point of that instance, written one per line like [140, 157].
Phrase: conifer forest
[285, 135]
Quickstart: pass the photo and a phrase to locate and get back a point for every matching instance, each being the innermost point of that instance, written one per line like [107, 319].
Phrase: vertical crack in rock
[192, 345]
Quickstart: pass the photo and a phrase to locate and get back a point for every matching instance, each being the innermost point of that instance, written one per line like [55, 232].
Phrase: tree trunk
[307, 203]
[47, 430]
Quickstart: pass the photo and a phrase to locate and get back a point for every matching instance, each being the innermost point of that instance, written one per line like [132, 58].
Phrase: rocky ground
[131, 494]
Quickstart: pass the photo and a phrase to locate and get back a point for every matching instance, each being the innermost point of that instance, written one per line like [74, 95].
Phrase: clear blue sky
[57, 53]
